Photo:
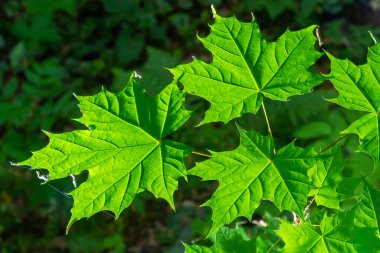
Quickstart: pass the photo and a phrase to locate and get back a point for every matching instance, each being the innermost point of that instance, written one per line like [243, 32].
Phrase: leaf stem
[201, 154]
[306, 210]
[333, 143]
[268, 124]
[373, 37]
[274, 245]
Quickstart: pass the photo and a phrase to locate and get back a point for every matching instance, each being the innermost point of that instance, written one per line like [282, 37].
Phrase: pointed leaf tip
[360, 94]
[136, 75]
[213, 11]
[239, 56]
[253, 168]
[119, 125]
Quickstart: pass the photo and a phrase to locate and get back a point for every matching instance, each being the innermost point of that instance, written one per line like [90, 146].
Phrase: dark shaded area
[50, 49]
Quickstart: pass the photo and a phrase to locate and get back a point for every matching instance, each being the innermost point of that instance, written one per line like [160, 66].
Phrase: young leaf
[337, 233]
[226, 241]
[326, 177]
[359, 89]
[124, 149]
[246, 68]
[253, 172]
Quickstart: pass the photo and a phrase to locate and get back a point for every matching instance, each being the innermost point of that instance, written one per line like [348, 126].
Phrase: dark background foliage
[50, 49]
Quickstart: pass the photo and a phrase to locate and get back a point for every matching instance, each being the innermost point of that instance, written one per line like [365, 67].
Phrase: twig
[274, 245]
[308, 205]
[320, 152]
[373, 37]
[201, 154]
[320, 43]
[333, 143]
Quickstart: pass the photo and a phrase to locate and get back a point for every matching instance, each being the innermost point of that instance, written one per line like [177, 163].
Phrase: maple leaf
[253, 172]
[326, 177]
[226, 240]
[359, 89]
[246, 68]
[337, 233]
[124, 149]
[369, 210]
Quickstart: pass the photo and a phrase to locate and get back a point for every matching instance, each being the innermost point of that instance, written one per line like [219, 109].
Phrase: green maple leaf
[337, 233]
[226, 241]
[124, 149]
[246, 68]
[369, 210]
[359, 89]
[326, 177]
[253, 172]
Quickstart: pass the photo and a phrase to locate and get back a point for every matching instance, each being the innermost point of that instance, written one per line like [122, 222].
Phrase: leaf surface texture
[124, 149]
[359, 89]
[251, 173]
[345, 232]
[246, 68]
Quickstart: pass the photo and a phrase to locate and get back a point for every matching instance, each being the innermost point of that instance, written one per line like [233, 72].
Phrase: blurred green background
[50, 49]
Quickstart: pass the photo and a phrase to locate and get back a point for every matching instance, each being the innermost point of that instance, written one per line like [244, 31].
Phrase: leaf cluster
[126, 146]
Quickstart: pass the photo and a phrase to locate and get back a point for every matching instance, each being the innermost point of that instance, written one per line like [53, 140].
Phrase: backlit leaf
[253, 172]
[326, 177]
[359, 89]
[246, 68]
[336, 233]
[124, 149]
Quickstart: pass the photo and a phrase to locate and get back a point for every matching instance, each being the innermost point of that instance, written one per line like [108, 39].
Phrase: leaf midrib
[243, 57]
[122, 120]
[272, 161]
[374, 211]
[128, 172]
[283, 63]
[357, 85]
[222, 82]
[376, 77]
[104, 150]
[246, 188]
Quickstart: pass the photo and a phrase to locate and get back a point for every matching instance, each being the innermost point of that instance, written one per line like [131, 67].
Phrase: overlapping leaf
[246, 68]
[326, 177]
[359, 89]
[253, 172]
[369, 210]
[124, 149]
[341, 232]
[226, 241]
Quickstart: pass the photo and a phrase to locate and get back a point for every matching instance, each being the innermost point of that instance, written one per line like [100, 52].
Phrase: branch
[201, 154]
[333, 143]
[274, 245]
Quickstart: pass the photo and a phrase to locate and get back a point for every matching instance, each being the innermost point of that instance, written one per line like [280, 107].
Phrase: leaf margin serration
[177, 151]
